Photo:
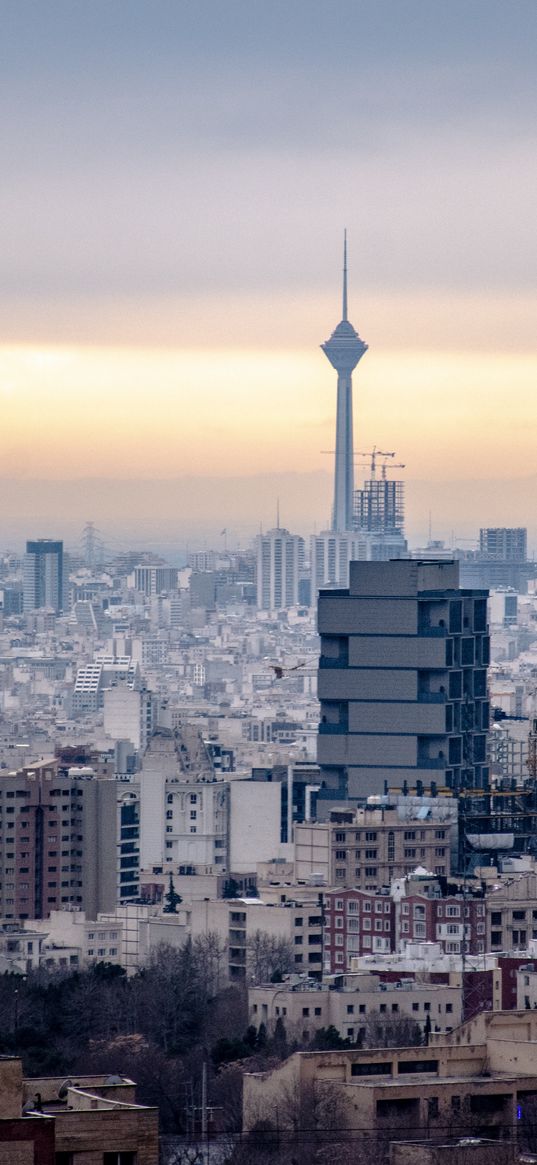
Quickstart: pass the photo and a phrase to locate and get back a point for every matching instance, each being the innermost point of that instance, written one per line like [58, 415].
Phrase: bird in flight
[279, 670]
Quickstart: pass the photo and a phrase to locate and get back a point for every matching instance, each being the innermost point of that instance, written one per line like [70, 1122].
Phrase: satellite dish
[62, 1090]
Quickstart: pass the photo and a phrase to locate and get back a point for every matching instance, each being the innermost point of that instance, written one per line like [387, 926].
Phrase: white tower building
[344, 349]
[280, 559]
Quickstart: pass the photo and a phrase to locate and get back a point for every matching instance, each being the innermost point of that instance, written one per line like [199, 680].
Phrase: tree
[172, 899]
[279, 1044]
[391, 1031]
[231, 889]
[327, 1039]
[268, 956]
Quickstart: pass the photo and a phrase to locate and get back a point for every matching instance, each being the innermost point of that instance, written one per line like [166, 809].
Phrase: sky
[176, 180]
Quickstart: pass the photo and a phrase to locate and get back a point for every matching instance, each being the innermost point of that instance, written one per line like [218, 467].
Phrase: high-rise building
[403, 679]
[504, 543]
[280, 560]
[501, 561]
[153, 580]
[344, 349]
[43, 575]
[330, 555]
[58, 841]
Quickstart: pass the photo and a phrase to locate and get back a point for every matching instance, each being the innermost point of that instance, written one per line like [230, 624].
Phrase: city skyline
[161, 311]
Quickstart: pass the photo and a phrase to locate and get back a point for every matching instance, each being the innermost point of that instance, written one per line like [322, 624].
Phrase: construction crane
[398, 465]
[373, 458]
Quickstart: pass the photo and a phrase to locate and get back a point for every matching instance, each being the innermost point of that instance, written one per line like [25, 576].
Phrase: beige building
[48, 1121]
[241, 921]
[366, 848]
[512, 913]
[482, 1078]
[345, 1001]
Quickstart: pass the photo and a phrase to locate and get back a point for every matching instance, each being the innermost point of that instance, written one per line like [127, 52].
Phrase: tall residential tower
[344, 349]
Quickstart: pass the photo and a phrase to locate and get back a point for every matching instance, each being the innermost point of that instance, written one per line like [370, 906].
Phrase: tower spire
[345, 316]
[344, 349]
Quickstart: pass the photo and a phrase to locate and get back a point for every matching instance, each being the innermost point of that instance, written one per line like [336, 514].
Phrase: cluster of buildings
[318, 761]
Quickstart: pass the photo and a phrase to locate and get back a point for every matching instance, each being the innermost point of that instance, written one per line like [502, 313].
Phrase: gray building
[403, 680]
[43, 575]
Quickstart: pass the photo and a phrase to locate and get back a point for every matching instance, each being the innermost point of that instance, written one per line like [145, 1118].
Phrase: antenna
[277, 513]
[344, 275]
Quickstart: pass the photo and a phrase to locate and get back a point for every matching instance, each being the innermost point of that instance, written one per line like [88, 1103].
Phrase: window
[340, 855]
[121, 1158]
[371, 836]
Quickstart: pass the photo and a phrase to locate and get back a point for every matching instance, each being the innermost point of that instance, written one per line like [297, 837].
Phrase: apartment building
[243, 925]
[512, 913]
[356, 922]
[369, 847]
[57, 841]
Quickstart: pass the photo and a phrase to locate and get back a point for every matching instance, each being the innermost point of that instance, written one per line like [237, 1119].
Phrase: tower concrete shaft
[344, 349]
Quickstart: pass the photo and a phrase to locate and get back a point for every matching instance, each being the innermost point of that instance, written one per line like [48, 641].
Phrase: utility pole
[204, 1121]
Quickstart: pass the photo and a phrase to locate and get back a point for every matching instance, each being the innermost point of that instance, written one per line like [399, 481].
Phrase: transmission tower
[92, 545]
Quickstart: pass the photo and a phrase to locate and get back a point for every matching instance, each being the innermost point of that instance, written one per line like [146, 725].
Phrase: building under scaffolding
[379, 507]
[496, 823]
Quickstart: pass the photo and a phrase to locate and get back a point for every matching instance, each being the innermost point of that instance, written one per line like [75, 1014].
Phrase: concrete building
[504, 543]
[280, 561]
[57, 841]
[481, 1078]
[184, 809]
[344, 349]
[345, 1001]
[367, 848]
[43, 578]
[403, 679]
[244, 925]
[512, 913]
[95, 1120]
[330, 555]
[154, 579]
[255, 825]
[130, 713]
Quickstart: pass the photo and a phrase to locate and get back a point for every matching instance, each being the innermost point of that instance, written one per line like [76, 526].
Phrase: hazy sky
[176, 177]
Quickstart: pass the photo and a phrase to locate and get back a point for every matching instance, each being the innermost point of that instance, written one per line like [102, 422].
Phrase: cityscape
[268, 753]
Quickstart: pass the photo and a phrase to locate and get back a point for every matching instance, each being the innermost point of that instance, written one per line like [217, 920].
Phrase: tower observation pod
[344, 349]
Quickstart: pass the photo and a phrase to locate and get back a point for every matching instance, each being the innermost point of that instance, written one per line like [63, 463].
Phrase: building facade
[58, 841]
[43, 581]
[403, 680]
[280, 561]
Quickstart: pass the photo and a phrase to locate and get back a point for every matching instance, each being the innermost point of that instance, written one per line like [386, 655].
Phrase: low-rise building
[344, 1002]
[481, 1078]
[95, 1119]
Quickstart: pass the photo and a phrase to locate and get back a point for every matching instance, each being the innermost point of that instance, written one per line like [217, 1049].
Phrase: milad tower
[344, 349]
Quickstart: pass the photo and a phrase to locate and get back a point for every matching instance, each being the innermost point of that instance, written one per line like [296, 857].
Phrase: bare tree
[391, 1031]
[268, 956]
